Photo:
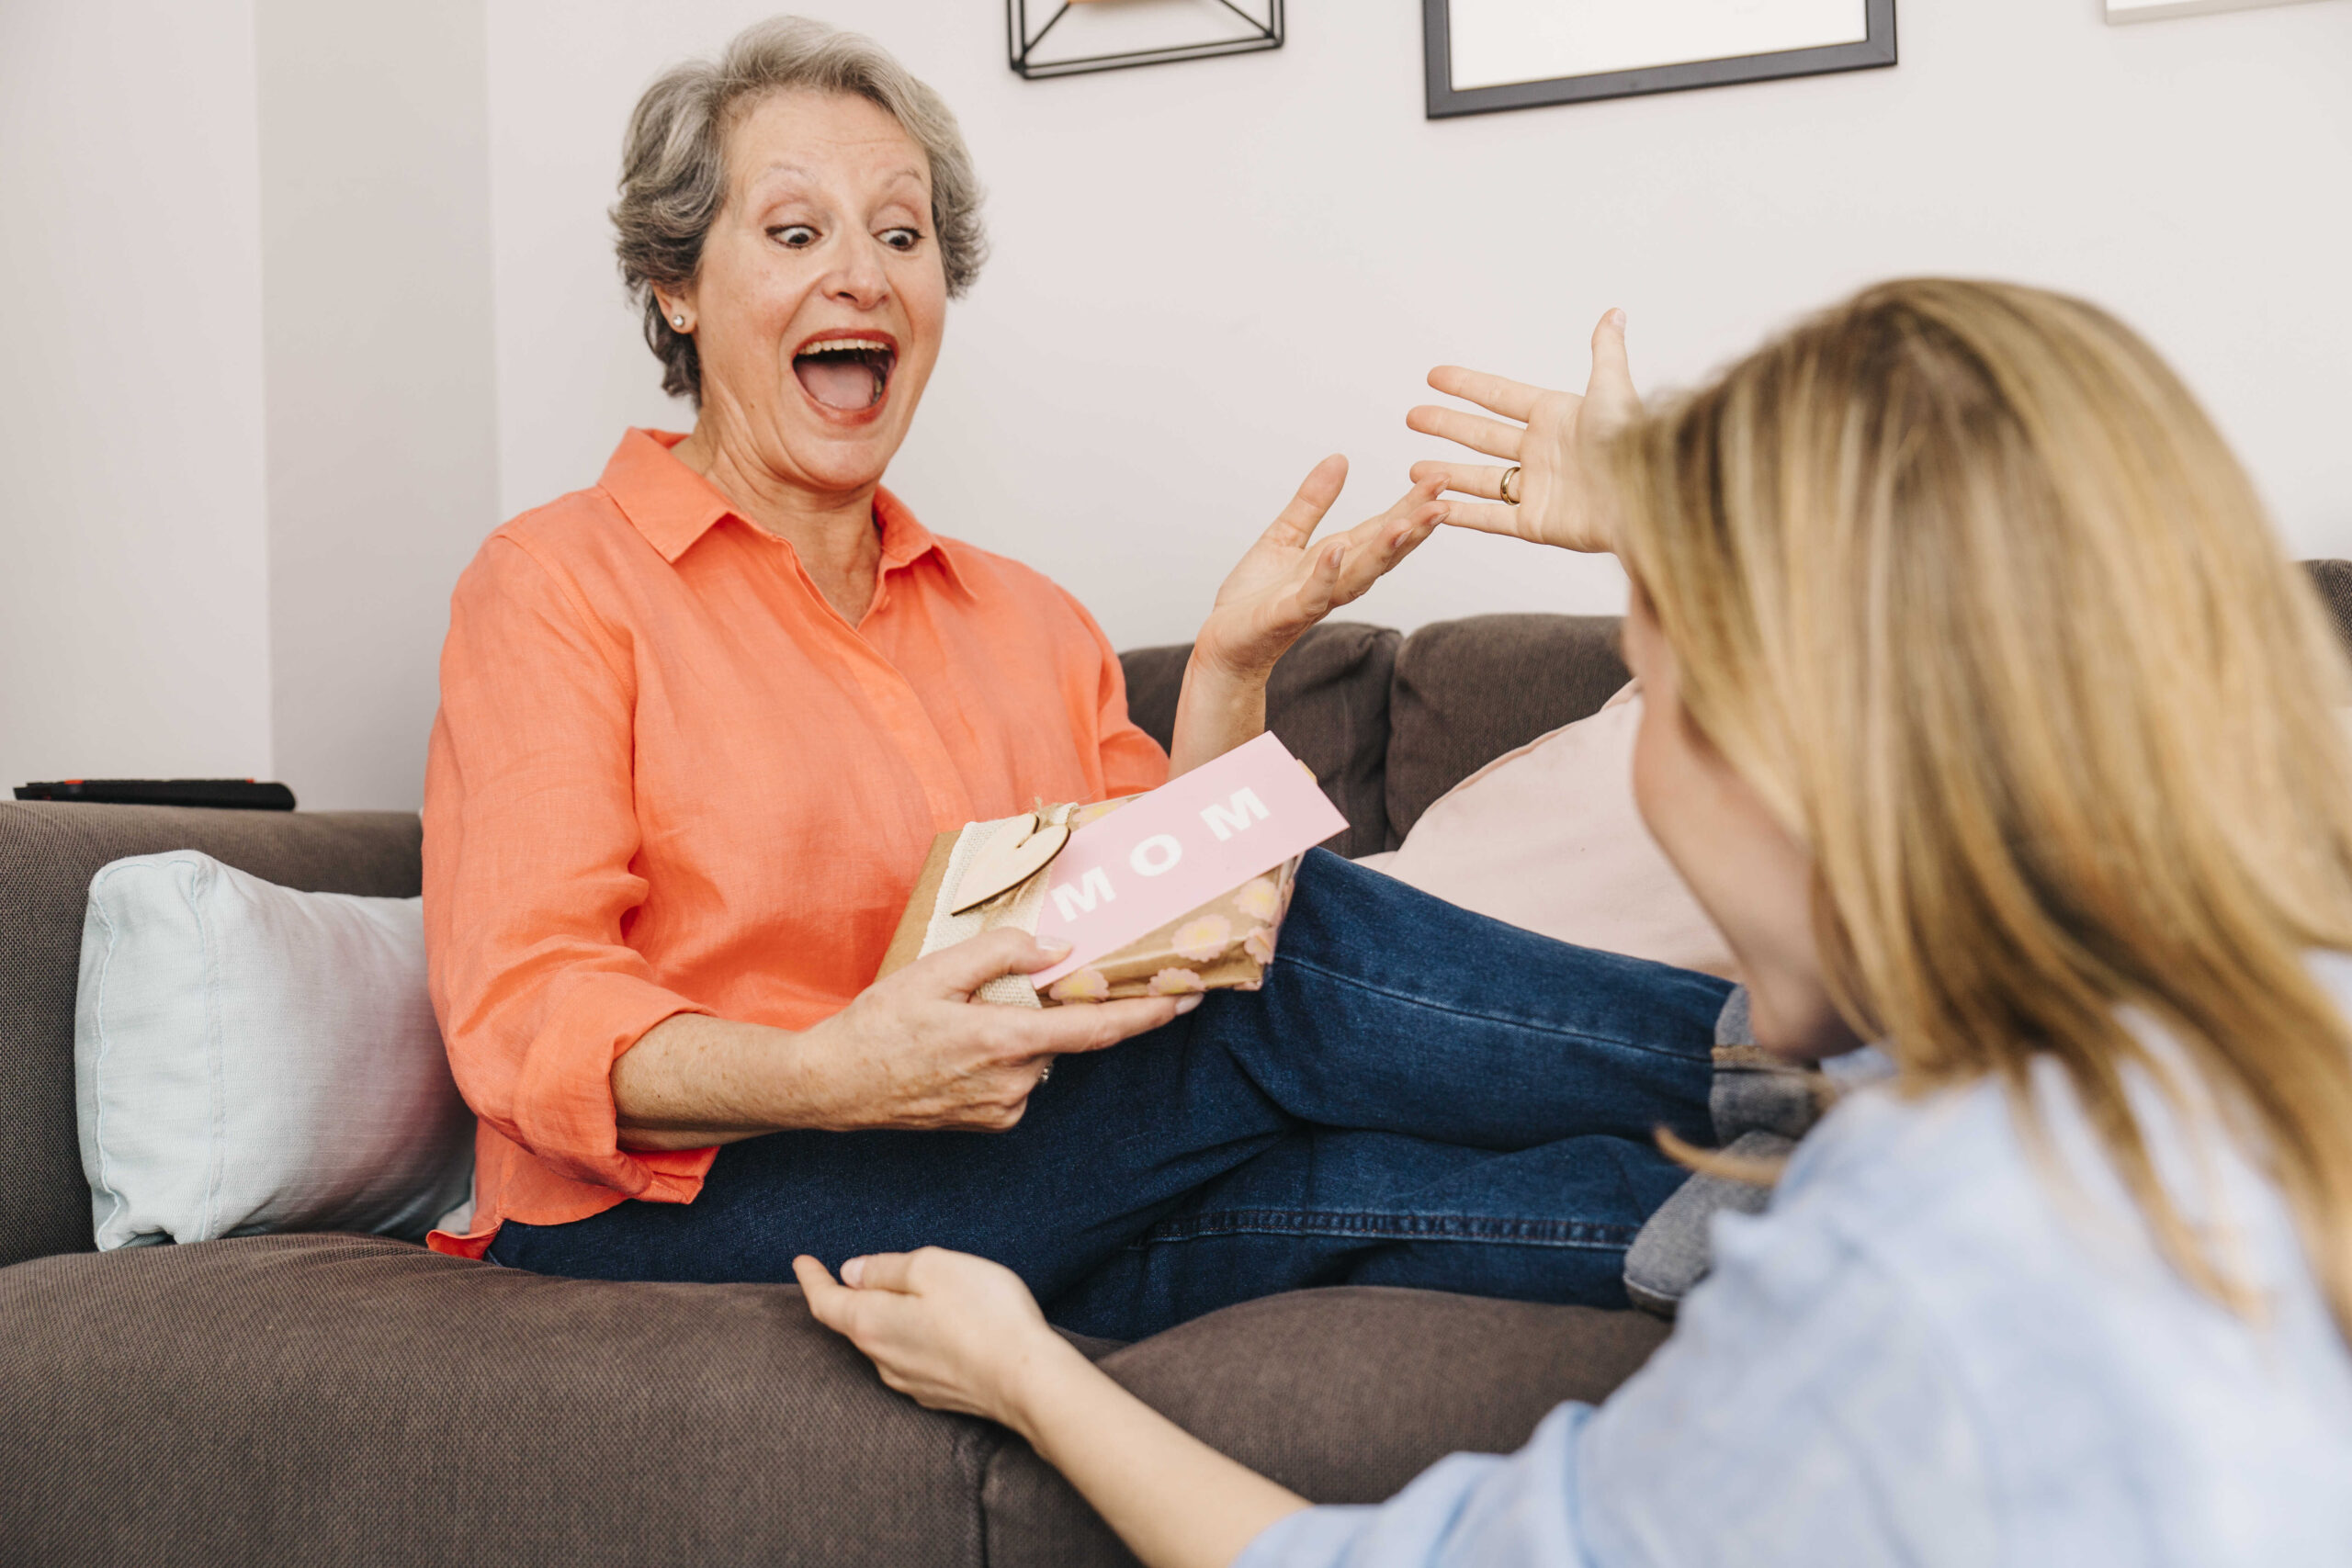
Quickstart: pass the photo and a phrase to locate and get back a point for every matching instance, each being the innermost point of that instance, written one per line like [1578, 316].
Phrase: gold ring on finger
[1510, 486]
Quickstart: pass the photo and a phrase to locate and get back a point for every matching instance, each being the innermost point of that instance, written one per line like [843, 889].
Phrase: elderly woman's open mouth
[846, 370]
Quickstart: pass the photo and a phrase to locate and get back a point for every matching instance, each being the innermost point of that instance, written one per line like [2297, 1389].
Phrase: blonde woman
[1987, 718]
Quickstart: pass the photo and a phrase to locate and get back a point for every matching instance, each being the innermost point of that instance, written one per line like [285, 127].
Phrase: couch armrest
[49, 852]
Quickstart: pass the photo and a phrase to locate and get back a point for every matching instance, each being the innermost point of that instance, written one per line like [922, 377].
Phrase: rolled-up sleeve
[530, 834]
[1131, 761]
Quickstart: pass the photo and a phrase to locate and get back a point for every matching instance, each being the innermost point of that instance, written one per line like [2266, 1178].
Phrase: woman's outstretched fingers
[1316, 590]
[1484, 517]
[1406, 536]
[1496, 394]
[1608, 357]
[1484, 480]
[1321, 588]
[1400, 542]
[1553, 501]
[1296, 523]
[1611, 392]
[1370, 550]
[1491, 436]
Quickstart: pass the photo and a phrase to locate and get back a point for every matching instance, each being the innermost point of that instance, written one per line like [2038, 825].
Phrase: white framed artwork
[2157, 10]
[1482, 55]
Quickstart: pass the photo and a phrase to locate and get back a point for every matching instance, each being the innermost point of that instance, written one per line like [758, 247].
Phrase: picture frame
[1474, 51]
[1045, 38]
[2123, 11]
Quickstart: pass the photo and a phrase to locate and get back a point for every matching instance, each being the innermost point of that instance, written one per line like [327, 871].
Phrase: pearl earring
[679, 323]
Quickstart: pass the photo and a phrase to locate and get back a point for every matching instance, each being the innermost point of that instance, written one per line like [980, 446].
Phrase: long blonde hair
[1963, 581]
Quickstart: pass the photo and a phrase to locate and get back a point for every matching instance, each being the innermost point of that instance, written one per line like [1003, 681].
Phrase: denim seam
[1481, 1228]
[1532, 1025]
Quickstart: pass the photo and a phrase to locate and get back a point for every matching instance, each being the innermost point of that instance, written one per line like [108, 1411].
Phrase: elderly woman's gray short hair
[674, 162]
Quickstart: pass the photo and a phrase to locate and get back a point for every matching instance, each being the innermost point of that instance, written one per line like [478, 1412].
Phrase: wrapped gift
[1180, 890]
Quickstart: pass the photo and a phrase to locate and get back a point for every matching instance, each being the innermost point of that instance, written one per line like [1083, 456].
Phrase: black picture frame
[1446, 102]
[1020, 42]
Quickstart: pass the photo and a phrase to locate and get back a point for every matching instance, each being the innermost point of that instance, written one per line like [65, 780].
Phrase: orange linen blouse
[667, 777]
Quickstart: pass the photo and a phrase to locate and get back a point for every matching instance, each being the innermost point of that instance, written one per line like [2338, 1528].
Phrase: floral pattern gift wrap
[1224, 944]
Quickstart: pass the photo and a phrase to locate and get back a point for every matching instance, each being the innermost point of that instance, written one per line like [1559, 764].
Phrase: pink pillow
[1547, 837]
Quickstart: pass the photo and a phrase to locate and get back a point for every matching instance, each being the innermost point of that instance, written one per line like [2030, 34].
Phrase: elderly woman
[701, 721]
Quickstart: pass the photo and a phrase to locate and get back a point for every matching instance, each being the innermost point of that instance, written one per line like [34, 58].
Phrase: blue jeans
[1418, 1095]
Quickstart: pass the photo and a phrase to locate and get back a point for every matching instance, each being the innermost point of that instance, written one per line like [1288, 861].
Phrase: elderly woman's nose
[859, 278]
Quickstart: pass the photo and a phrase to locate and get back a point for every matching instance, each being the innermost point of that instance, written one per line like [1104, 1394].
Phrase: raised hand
[1550, 436]
[1284, 584]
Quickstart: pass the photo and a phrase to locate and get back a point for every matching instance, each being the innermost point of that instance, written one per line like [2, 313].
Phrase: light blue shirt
[1936, 1346]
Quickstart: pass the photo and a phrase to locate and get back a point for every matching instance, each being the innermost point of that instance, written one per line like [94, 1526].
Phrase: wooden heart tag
[1019, 850]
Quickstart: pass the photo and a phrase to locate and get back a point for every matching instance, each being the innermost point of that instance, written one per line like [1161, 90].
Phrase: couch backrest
[1328, 700]
[48, 854]
[1465, 691]
[1389, 723]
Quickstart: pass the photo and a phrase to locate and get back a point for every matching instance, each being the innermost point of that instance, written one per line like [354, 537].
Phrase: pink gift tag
[1164, 854]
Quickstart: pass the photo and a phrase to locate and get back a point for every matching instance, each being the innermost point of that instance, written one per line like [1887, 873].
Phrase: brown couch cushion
[48, 854]
[353, 1400]
[1468, 691]
[349, 1399]
[1328, 700]
[1343, 1396]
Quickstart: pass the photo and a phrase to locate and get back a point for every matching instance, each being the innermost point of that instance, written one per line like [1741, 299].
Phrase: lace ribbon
[1017, 907]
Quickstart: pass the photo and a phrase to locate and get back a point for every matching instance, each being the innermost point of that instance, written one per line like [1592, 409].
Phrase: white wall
[374, 174]
[1209, 274]
[134, 635]
[272, 372]
[246, 415]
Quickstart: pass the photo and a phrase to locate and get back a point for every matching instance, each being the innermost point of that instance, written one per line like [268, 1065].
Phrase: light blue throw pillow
[249, 1059]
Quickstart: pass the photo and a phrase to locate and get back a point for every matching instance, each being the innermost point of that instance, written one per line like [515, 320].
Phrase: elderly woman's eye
[793, 234]
[902, 238]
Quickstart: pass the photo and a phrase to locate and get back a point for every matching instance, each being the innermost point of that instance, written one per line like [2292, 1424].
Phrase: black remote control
[236, 794]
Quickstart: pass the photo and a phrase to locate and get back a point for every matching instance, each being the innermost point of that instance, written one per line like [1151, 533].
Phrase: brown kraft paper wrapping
[1226, 944]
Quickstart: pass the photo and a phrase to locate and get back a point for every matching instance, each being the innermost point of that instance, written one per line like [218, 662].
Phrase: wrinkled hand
[1282, 586]
[916, 1051]
[1553, 445]
[950, 1331]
